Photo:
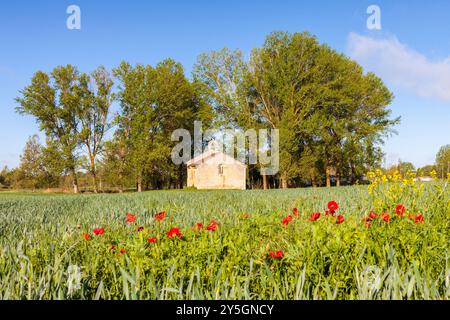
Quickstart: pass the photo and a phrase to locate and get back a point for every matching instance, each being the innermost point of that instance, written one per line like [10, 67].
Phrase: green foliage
[154, 102]
[42, 245]
[32, 172]
[94, 116]
[325, 107]
[443, 162]
[4, 177]
[426, 171]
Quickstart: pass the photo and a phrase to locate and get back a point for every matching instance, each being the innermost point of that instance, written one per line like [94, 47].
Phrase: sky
[411, 51]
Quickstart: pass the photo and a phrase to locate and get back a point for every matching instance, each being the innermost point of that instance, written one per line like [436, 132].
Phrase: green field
[44, 254]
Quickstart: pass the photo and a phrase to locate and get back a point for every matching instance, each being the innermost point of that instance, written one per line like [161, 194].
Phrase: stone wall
[207, 176]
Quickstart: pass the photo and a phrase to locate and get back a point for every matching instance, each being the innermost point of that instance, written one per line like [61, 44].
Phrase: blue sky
[411, 52]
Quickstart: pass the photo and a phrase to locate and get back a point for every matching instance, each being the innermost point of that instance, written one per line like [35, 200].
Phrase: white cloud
[401, 66]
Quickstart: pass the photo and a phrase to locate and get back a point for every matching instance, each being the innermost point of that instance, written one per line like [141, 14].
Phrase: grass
[44, 255]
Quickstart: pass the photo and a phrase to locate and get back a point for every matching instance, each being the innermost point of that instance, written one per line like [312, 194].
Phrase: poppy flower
[86, 236]
[276, 254]
[385, 216]
[140, 229]
[174, 232]
[160, 216]
[112, 247]
[99, 231]
[295, 212]
[246, 216]
[122, 250]
[327, 212]
[287, 220]
[400, 209]
[130, 218]
[213, 226]
[152, 240]
[198, 226]
[314, 216]
[340, 219]
[372, 215]
[418, 219]
[332, 206]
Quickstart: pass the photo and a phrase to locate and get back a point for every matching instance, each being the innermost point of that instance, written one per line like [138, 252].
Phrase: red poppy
[213, 226]
[372, 215]
[86, 236]
[327, 212]
[385, 216]
[122, 250]
[99, 231]
[140, 229]
[198, 226]
[112, 247]
[152, 240]
[419, 218]
[314, 216]
[340, 219]
[276, 254]
[174, 232]
[400, 209]
[295, 212]
[333, 206]
[286, 220]
[160, 216]
[130, 218]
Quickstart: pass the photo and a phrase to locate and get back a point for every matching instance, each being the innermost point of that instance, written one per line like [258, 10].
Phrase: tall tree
[323, 104]
[96, 101]
[443, 161]
[55, 101]
[32, 162]
[154, 102]
[4, 175]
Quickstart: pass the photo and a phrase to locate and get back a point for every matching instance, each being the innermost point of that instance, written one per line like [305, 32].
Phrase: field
[50, 250]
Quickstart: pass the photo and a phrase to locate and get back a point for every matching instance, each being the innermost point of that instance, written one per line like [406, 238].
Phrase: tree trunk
[94, 181]
[313, 181]
[139, 183]
[338, 180]
[284, 182]
[328, 175]
[75, 182]
[353, 174]
[265, 184]
[181, 177]
[94, 174]
[120, 181]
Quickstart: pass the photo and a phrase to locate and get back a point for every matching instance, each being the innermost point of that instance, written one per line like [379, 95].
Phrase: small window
[220, 169]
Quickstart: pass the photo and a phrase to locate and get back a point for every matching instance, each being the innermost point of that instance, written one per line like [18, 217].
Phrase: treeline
[332, 116]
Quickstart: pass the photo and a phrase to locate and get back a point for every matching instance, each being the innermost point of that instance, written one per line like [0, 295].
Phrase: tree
[32, 172]
[154, 102]
[405, 167]
[114, 166]
[4, 177]
[55, 101]
[31, 162]
[426, 171]
[443, 161]
[96, 102]
[329, 113]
